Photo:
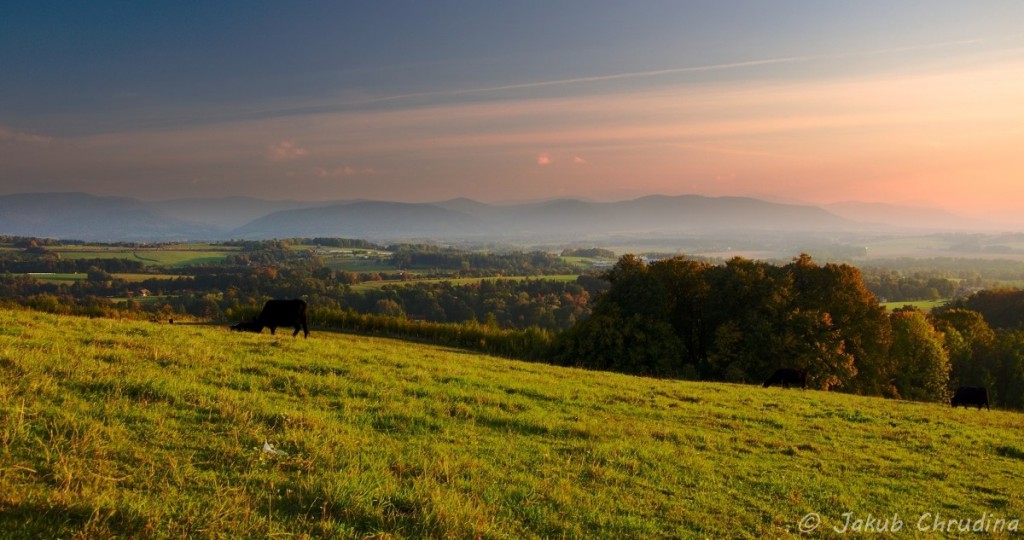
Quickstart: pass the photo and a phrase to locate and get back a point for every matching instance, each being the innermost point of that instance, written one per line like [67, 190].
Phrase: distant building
[964, 292]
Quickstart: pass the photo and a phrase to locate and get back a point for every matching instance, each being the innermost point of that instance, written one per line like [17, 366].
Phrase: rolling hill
[223, 213]
[87, 217]
[373, 220]
[81, 216]
[900, 217]
[119, 428]
[558, 219]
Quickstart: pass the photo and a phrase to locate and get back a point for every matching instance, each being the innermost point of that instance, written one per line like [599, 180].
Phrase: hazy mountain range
[88, 217]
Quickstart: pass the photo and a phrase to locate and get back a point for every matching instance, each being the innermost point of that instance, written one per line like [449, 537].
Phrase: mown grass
[183, 256]
[923, 305]
[132, 429]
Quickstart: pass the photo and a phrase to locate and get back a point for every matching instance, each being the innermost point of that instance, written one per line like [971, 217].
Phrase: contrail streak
[337, 106]
[668, 71]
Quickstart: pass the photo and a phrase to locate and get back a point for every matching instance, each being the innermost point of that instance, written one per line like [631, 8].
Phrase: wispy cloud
[325, 172]
[286, 151]
[544, 159]
[21, 137]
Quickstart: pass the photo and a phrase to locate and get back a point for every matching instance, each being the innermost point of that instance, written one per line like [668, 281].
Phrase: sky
[913, 102]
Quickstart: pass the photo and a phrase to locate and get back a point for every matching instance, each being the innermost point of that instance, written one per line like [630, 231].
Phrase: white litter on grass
[269, 449]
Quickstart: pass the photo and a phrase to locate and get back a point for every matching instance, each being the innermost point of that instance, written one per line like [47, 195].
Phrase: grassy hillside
[112, 428]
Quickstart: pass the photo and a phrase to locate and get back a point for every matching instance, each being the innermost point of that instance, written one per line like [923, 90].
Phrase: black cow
[970, 395]
[786, 377]
[277, 313]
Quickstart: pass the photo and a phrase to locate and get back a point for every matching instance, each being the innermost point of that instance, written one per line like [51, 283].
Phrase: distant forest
[734, 320]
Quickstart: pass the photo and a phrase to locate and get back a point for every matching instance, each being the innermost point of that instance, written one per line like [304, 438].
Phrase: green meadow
[57, 277]
[923, 305]
[133, 429]
[165, 256]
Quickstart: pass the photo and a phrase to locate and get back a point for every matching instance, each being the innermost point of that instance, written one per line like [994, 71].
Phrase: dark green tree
[970, 343]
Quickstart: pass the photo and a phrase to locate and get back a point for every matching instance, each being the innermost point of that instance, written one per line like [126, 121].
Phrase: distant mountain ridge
[375, 220]
[224, 213]
[81, 216]
[94, 218]
[908, 217]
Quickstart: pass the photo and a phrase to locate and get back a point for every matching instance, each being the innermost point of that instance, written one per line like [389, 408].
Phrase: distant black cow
[970, 395]
[786, 377]
[277, 313]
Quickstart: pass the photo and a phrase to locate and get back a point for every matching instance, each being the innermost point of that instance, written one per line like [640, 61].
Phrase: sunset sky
[917, 102]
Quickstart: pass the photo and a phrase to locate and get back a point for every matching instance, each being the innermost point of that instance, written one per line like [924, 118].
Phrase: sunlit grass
[81, 276]
[923, 305]
[120, 428]
[182, 256]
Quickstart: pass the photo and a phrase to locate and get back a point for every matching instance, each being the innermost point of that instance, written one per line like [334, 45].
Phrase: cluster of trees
[895, 286]
[436, 261]
[967, 271]
[28, 241]
[736, 322]
[742, 320]
[594, 253]
[507, 303]
[471, 263]
[984, 334]
[529, 343]
[21, 263]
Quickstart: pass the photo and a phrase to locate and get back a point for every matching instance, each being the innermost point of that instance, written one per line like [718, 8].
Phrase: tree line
[741, 320]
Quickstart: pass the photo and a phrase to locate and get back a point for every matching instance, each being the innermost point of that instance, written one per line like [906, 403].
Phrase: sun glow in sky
[916, 103]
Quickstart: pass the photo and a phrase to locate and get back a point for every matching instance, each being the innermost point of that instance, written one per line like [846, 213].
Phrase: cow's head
[248, 326]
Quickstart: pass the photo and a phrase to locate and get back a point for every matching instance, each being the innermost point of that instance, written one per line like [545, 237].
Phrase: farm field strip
[923, 305]
[367, 285]
[82, 276]
[155, 256]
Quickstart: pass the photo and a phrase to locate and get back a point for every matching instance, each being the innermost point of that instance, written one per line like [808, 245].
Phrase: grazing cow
[786, 377]
[248, 326]
[970, 395]
[277, 313]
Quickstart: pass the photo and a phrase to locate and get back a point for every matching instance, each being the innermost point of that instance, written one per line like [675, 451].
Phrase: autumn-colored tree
[739, 321]
[921, 364]
[852, 328]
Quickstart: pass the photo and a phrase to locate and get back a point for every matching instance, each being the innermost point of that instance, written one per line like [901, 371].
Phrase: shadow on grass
[40, 520]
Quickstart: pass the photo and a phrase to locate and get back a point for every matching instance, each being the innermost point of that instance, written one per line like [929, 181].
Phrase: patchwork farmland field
[180, 256]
